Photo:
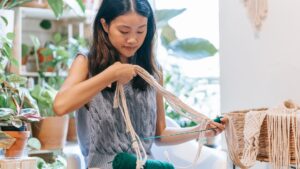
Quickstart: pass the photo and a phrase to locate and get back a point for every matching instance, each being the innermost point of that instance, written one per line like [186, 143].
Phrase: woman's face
[127, 33]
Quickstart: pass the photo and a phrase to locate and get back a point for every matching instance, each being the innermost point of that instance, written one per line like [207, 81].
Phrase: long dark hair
[102, 53]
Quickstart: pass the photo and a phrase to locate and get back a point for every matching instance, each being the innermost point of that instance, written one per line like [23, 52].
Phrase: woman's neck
[123, 59]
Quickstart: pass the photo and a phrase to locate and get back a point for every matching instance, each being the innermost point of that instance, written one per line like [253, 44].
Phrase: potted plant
[51, 130]
[50, 126]
[17, 109]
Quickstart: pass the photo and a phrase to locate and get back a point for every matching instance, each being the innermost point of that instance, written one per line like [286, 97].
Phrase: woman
[123, 37]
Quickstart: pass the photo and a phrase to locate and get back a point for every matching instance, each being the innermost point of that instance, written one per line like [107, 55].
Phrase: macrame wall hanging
[257, 11]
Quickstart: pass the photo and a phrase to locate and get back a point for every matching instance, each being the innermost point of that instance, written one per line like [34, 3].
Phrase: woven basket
[238, 118]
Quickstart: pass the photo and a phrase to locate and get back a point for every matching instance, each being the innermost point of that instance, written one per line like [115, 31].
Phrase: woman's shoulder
[83, 53]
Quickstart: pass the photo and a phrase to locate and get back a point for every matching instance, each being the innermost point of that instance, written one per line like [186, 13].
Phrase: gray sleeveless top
[101, 128]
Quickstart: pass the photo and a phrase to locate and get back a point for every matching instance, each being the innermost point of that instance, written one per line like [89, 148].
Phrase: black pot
[13, 128]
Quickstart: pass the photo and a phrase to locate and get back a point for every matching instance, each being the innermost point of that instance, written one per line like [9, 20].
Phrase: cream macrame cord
[175, 103]
[279, 122]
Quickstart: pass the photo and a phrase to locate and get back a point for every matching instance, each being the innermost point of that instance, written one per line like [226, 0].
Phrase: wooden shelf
[25, 14]
[48, 74]
[41, 13]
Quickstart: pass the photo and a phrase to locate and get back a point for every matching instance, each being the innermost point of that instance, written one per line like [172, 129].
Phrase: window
[196, 82]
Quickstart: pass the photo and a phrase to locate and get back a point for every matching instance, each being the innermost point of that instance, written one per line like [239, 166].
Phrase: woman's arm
[162, 130]
[77, 90]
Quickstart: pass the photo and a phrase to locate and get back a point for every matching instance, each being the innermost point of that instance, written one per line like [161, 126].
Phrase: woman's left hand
[216, 128]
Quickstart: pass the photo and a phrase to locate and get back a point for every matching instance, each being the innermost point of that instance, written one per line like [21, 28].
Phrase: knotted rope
[175, 103]
[257, 11]
[279, 120]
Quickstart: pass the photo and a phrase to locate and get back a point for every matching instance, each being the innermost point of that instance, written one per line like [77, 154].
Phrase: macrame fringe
[257, 11]
[282, 127]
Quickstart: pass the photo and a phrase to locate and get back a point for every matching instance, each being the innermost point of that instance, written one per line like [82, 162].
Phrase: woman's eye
[124, 32]
[140, 32]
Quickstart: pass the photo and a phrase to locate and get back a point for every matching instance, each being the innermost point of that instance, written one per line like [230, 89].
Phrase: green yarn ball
[218, 119]
[128, 161]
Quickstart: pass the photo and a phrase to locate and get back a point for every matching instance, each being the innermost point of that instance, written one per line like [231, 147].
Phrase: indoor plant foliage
[16, 104]
[17, 108]
[57, 6]
[189, 49]
[10, 4]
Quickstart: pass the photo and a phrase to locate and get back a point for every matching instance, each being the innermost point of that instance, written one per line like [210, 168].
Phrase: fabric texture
[101, 128]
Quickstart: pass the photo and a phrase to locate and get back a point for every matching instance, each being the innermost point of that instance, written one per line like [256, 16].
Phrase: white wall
[259, 70]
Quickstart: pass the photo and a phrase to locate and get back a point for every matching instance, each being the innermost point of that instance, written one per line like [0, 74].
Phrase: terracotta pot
[51, 131]
[72, 132]
[24, 59]
[17, 149]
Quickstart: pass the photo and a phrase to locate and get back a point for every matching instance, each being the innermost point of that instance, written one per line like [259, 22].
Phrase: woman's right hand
[123, 72]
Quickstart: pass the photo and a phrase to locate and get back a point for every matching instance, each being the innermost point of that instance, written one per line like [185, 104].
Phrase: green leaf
[80, 3]
[36, 42]
[17, 3]
[62, 53]
[7, 50]
[4, 20]
[29, 100]
[192, 48]
[25, 50]
[164, 15]
[46, 52]
[77, 6]
[167, 35]
[34, 143]
[57, 7]
[14, 61]
[14, 78]
[17, 123]
[5, 112]
[3, 3]
[3, 100]
[10, 36]
[57, 38]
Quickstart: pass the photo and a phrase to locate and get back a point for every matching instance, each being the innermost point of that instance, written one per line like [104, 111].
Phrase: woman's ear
[104, 25]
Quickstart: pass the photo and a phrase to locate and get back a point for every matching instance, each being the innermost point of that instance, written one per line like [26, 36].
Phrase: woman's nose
[132, 40]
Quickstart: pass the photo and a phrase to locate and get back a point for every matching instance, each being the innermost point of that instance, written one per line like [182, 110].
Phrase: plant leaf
[36, 42]
[17, 3]
[25, 50]
[14, 61]
[78, 6]
[164, 15]
[57, 38]
[10, 35]
[192, 48]
[17, 123]
[57, 7]
[167, 35]
[14, 78]
[34, 143]
[46, 52]
[3, 3]
[4, 20]
[80, 3]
